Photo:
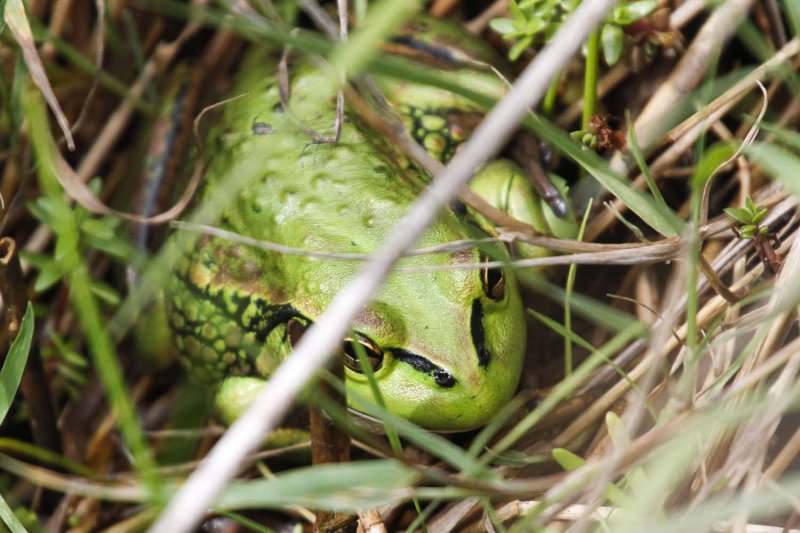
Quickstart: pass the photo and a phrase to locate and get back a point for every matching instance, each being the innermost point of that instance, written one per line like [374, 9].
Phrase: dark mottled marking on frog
[261, 128]
[462, 257]
[442, 377]
[446, 135]
[476, 328]
[261, 323]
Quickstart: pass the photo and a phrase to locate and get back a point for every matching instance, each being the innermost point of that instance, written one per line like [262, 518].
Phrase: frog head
[447, 348]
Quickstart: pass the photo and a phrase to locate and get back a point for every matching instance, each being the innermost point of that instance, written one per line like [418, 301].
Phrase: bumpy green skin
[452, 354]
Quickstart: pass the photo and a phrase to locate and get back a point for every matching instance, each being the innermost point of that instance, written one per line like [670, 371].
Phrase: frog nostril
[444, 378]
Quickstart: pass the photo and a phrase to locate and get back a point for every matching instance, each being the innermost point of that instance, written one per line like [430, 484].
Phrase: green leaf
[748, 231]
[711, 160]
[534, 26]
[567, 460]
[341, 487]
[612, 39]
[616, 430]
[640, 9]
[739, 214]
[14, 365]
[105, 292]
[50, 274]
[620, 14]
[503, 26]
[792, 10]
[97, 228]
[42, 209]
[516, 12]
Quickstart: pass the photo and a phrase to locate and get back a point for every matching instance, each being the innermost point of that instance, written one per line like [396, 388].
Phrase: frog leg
[503, 184]
[525, 151]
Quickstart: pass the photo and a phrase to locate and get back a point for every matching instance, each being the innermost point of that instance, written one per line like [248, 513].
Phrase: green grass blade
[9, 518]
[791, 9]
[781, 164]
[633, 143]
[341, 487]
[14, 365]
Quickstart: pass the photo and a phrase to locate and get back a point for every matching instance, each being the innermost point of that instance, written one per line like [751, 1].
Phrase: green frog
[447, 347]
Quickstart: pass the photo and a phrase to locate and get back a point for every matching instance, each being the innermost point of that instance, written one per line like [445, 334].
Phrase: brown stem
[329, 444]
[33, 385]
[717, 284]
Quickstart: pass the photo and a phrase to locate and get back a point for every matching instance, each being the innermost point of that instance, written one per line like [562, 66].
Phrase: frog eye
[351, 361]
[494, 281]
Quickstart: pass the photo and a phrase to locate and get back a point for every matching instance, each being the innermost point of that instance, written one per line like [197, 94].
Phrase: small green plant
[749, 227]
[534, 22]
[749, 219]
[104, 234]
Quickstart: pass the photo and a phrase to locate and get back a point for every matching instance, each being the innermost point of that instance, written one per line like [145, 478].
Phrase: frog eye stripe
[476, 328]
[442, 377]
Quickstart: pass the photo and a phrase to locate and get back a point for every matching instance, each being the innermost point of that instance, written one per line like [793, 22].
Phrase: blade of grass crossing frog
[391, 434]
[382, 19]
[432, 443]
[14, 365]
[342, 487]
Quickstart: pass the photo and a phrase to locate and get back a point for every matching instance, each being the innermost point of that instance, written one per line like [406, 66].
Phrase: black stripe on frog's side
[267, 317]
[437, 52]
[442, 377]
[476, 328]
